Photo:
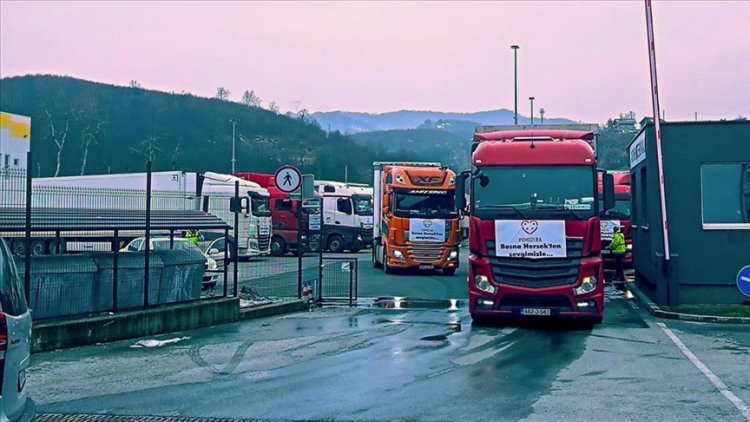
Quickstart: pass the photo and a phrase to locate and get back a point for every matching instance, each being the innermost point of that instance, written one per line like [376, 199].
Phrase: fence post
[300, 251]
[115, 264]
[235, 269]
[226, 255]
[147, 240]
[27, 240]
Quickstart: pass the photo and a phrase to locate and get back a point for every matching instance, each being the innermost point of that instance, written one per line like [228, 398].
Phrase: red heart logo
[529, 226]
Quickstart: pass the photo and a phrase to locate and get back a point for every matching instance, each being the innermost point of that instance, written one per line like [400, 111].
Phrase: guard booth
[707, 190]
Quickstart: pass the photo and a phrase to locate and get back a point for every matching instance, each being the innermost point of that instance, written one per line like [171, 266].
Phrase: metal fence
[82, 251]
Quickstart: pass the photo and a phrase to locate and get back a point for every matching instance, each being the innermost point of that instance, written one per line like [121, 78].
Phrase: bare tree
[148, 147]
[134, 84]
[92, 127]
[175, 158]
[58, 137]
[250, 99]
[273, 107]
[222, 93]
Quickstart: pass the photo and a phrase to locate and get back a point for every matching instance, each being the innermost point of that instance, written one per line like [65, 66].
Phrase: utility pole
[234, 145]
[515, 83]
[541, 113]
[346, 173]
[532, 109]
[696, 116]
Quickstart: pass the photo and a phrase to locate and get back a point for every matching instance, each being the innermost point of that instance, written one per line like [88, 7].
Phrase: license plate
[536, 312]
[426, 267]
[21, 379]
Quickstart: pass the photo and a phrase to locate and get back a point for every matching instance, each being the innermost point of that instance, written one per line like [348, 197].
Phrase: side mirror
[608, 191]
[213, 251]
[460, 192]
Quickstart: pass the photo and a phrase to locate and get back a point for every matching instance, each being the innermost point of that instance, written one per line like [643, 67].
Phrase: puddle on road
[396, 302]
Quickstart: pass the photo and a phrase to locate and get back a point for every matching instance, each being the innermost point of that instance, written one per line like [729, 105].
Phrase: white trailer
[171, 190]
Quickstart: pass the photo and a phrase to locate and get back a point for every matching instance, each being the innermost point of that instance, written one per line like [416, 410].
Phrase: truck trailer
[416, 222]
[171, 190]
[534, 235]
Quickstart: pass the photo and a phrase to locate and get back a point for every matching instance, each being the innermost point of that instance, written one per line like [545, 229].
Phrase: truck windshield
[362, 204]
[261, 206]
[549, 192]
[425, 203]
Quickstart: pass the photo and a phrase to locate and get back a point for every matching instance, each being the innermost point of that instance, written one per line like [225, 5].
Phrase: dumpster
[130, 280]
[181, 276]
[60, 285]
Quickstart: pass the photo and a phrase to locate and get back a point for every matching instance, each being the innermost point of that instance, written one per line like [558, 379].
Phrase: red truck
[534, 240]
[619, 216]
[284, 214]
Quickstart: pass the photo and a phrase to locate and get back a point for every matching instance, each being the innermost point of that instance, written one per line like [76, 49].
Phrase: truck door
[344, 212]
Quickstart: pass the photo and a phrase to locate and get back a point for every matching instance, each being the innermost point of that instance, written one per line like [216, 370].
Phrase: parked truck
[534, 237]
[172, 190]
[287, 213]
[347, 215]
[416, 223]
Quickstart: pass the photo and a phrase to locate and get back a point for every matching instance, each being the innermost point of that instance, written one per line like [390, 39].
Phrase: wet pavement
[415, 363]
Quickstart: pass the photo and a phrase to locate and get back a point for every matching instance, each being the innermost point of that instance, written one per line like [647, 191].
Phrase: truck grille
[537, 273]
[263, 241]
[425, 252]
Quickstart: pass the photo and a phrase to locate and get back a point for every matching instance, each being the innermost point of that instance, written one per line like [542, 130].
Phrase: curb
[656, 311]
[272, 309]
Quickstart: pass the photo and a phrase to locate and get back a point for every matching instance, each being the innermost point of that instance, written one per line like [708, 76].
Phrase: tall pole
[346, 173]
[532, 109]
[234, 160]
[657, 126]
[541, 114]
[515, 83]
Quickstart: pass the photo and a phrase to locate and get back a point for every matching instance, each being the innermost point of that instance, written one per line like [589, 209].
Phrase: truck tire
[449, 271]
[18, 248]
[52, 247]
[375, 263]
[278, 246]
[38, 247]
[386, 268]
[336, 244]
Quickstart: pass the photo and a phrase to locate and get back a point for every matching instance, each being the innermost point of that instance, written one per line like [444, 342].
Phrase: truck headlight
[212, 265]
[483, 283]
[453, 255]
[398, 254]
[587, 286]
[629, 247]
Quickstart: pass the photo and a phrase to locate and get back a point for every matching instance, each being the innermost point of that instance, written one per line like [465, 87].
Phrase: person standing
[618, 248]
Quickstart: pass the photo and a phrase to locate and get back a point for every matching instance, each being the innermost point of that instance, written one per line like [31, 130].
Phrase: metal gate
[338, 280]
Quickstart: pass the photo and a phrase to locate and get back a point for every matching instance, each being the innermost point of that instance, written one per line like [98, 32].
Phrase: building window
[16, 162]
[725, 196]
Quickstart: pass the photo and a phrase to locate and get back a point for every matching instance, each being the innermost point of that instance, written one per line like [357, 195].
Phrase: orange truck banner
[535, 239]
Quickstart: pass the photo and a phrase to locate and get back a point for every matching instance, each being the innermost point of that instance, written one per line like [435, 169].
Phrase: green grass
[715, 310]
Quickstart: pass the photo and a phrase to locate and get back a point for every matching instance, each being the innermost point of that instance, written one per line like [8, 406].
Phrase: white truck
[171, 190]
[347, 215]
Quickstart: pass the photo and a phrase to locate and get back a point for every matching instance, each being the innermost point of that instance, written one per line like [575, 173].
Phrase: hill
[82, 127]
[353, 122]
[425, 144]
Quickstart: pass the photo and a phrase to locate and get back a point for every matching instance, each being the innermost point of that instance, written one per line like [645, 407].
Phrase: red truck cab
[534, 236]
[618, 217]
[284, 214]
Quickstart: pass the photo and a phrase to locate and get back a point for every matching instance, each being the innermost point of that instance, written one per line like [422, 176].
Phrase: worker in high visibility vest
[192, 236]
[618, 248]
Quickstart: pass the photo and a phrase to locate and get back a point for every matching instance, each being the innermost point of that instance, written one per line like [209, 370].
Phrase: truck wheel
[38, 247]
[19, 247]
[336, 244]
[278, 246]
[386, 268]
[449, 271]
[53, 247]
[375, 263]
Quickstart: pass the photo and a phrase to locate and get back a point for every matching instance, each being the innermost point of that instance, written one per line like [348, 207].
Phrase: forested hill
[96, 128]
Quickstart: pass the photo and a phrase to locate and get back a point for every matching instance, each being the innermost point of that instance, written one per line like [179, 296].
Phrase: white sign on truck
[426, 230]
[533, 239]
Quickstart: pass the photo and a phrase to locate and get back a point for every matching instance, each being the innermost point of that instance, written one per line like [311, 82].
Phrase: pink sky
[583, 60]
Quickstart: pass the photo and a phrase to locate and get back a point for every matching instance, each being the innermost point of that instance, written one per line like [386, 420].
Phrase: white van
[15, 342]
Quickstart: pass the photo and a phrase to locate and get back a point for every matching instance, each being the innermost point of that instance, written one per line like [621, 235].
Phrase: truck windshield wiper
[504, 207]
[560, 208]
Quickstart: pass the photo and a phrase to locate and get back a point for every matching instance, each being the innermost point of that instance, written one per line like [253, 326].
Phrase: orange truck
[416, 222]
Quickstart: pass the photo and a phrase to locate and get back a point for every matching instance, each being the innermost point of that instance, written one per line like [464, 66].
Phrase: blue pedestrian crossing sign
[743, 280]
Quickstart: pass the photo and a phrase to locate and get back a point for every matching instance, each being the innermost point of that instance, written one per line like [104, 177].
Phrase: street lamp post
[515, 83]
[234, 160]
[541, 114]
[532, 109]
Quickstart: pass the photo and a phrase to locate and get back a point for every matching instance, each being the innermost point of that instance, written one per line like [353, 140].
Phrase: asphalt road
[371, 363]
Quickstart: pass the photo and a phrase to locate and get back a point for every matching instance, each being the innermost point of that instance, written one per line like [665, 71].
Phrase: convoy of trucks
[416, 222]
[171, 190]
[534, 232]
